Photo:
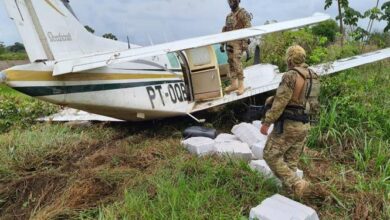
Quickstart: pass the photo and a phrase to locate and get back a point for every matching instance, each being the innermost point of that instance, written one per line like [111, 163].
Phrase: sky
[157, 21]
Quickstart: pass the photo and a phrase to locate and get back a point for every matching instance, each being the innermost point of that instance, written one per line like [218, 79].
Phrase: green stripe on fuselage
[36, 91]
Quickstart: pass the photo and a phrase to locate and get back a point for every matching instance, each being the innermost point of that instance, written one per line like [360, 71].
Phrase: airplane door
[205, 76]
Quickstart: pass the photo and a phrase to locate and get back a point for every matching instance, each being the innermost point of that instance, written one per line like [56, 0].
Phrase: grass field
[13, 56]
[140, 171]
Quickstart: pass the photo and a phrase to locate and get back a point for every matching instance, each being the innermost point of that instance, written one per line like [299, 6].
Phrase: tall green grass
[192, 188]
[354, 131]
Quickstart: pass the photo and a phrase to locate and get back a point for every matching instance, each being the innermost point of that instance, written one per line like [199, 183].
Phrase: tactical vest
[307, 91]
[233, 22]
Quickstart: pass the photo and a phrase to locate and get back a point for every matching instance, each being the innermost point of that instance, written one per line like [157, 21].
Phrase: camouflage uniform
[282, 151]
[236, 20]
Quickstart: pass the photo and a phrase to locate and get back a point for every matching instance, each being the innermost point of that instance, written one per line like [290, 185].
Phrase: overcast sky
[167, 20]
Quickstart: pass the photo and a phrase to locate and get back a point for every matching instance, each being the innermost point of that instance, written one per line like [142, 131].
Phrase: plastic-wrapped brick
[257, 124]
[226, 138]
[248, 133]
[262, 167]
[199, 145]
[234, 149]
[279, 207]
[258, 150]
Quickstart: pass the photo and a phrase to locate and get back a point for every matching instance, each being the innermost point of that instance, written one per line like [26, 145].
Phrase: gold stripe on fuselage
[21, 75]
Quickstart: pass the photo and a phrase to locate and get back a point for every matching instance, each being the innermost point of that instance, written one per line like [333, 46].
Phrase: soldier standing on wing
[239, 18]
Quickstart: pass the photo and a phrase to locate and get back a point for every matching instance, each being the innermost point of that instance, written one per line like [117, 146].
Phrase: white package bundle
[279, 207]
[262, 167]
[226, 138]
[257, 124]
[258, 150]
[248, 133]
[234, 149]
[199, 145]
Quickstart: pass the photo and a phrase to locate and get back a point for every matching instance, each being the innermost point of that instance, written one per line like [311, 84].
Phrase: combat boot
[233, 87]
[300, 188]
[241, 87]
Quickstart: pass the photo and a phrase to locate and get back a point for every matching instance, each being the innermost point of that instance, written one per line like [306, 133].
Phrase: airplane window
[173, 60]
[200, 56]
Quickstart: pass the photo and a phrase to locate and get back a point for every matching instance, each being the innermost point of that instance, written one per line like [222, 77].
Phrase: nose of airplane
[3, 77]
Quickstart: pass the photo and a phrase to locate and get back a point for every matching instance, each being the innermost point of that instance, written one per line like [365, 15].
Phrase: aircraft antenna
[128, 42]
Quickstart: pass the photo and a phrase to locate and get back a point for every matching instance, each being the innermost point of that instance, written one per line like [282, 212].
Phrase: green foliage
[13, 56]
[14, 52]
[359, 34]
[318, 55]
[386, 15]
[89, 29]
[16, 48]
[2, 48]
[373, 14]
[382, 40]
[343, 3]
[20, 111]
[110, 36]
[274, 46]
[356, 101]
[194, 188]
[354, 130]
[351, 16]
[316, 45]
[326, 29]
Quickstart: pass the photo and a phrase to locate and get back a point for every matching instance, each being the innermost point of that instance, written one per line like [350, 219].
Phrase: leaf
[328, 3]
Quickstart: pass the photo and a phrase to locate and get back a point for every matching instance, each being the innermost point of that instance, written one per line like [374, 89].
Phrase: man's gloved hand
[222, 48]
[264, 129]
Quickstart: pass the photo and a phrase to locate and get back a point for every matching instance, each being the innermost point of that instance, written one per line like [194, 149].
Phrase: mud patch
[368, 207]
[81, 177]
[27, 194]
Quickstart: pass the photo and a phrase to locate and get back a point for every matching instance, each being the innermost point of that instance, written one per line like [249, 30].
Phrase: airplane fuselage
[138, 90]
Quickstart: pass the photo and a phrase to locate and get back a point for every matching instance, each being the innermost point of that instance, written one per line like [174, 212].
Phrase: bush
[21, 111]
[2, 48]
[274, 46]
[328, 29]
[16, 48]
[382, 40]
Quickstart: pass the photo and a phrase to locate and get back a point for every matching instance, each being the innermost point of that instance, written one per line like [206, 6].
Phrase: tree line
[347, 16]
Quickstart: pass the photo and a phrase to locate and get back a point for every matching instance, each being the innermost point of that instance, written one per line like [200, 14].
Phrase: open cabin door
[205, 77]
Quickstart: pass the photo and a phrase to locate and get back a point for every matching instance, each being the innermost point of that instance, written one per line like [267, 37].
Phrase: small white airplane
[71, 67]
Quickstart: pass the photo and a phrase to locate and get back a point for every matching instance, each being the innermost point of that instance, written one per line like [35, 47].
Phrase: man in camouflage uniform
[283, 148]
[239, 18]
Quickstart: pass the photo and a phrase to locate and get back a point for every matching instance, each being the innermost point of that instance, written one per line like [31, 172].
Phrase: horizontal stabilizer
[97, 60]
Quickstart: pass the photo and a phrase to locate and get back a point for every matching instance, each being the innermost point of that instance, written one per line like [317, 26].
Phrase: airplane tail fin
[50, 31]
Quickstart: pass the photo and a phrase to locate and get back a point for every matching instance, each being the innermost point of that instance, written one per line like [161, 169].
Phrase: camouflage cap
[296, 55]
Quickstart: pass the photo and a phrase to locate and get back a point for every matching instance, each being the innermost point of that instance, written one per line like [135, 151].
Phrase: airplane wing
[265, 78]
[269, 80]
[93, 61]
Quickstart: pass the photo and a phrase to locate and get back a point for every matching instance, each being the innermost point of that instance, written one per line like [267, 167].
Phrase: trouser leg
[293, 154]
[288, 144]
